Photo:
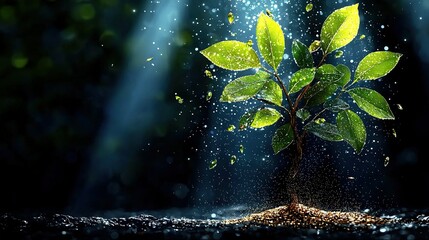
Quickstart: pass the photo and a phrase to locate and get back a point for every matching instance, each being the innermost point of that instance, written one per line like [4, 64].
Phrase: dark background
[62, 63]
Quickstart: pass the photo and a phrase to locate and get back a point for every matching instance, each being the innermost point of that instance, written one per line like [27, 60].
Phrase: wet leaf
[345, 71]
[336, 105]
[352, 129]
[230, 18]
[233, 159]
[372, 102]
[208, 74]
[303, 113]
[329, 73]
[326, 131]
[247, 119]
[309, 7]
[376, 65]
[179, 99]
[241, 149]
[271, 41]
[209, 95]
[271, 92]
[319, 93]
[314, 46]
[232, 55]
[213, 164]
[301, 78]
[340, 28]
[265, 117]
[231, 128]
[243, 88]
[282, 138]
[302, 55]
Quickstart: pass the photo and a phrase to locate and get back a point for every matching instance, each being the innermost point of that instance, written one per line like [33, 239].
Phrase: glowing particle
[231, 128]
[386, 48]
[309, 7]
[386, 161]
[382, 26]
[209, 95]
[233, 159]
[351, 178]
[179, 99]
[213, 164]
[250, 43]
[208, 74]
[338, 54]
[314, 46]
[241, 149]
[320, 120]
[362, 36]
[149, 59]
[394, 132]
[230, 18]
[233, 34]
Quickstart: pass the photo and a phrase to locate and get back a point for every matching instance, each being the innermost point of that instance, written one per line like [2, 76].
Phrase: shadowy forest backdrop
[89, 121]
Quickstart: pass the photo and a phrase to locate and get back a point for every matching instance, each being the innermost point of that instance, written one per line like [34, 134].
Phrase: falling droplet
[268, 12]
[213, 164]
[320, 120]
[179, 99]
[149, 59]
[233, 159]
[231, 128]
[241, 149]
[309, 7]
[362, 36]
[399, 106]
[386, 161]
[209, 95]
[208, 74]
[351, 178]
[394, 132]
[250, 43]
[230, 18]
[338, 54]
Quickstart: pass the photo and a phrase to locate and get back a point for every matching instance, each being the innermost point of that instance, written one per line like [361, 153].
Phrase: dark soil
[304, 223]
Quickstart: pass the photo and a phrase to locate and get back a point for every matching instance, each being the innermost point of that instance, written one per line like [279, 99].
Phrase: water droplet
[233, 159]
[309, 7]
[230, 18]
[213, 164]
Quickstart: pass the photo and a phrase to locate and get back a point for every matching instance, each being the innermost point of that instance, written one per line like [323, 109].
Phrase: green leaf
[376, 65]
[272, 93]
[326, 131]
[329, 73]
[232, 55]
[309, 7]
[319, 92]
[300, 79]
[282, 138]
[352, 129]
[314, 46]
[336, 105]
[271, 41]
[213, 164]
[259, 118]
[372, 102]
[265, 117]
[243, 88]
[303, 113]
[302, 55]
[340, 28]
[345, 71]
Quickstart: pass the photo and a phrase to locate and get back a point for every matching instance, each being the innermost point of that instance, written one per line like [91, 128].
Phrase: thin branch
[282, 85]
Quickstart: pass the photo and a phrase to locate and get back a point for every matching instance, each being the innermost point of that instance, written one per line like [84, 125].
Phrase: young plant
[311, 91]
